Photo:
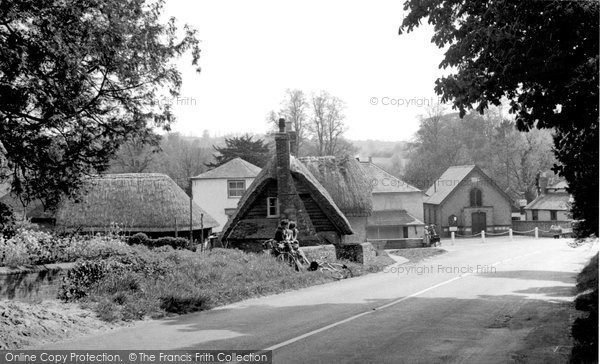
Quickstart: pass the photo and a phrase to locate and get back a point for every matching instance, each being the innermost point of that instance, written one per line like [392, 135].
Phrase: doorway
[478, 223]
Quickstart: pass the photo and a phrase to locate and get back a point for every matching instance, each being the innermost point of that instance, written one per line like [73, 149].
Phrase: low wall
[316, 252]
[397, 244]
[363, 253]
[32, 283]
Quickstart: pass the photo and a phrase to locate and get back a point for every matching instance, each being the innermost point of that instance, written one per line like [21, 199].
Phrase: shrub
[95, 247]
[78, 281]
[175, 243]
[31, 247]
[139, 238]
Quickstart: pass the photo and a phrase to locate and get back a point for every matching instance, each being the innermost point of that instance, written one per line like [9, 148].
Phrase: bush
[79, 280]
[175, 243]
[31, 247]
[94, 247]
[139, 238]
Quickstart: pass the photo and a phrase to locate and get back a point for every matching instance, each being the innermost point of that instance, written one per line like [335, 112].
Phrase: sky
[252, 51]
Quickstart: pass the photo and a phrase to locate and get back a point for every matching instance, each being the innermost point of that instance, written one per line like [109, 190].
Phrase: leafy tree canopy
[245, 147]
[543, 57]
[78, 79]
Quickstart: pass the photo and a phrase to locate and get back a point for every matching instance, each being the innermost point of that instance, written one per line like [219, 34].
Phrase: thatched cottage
[151, 203]
[287, 188]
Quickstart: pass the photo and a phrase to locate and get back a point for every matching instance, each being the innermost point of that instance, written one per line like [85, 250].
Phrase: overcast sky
[253, 50]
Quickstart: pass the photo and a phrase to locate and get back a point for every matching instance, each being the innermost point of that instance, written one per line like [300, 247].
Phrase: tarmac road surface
[493, 302]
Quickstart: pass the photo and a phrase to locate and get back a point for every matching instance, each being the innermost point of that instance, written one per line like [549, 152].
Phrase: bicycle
[336, 270]
[284, 252]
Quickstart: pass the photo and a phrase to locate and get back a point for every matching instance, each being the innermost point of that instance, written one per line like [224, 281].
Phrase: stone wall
[35, 283]
[363, 253]
[317, 252]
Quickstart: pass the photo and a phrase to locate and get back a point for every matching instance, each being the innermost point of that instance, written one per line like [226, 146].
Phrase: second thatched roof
[346, 182]
[147, 202]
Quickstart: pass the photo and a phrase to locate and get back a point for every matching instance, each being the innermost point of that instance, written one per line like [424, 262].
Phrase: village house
[465, 200]
[397, 206]
[552, 204]
[286, 188]
[219, 190]
[150, 203]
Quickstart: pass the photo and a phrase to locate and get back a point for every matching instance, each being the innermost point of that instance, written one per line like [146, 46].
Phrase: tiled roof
[550, 201]
[447, 182]
[392, 217]
[384, 182]
[235, 168]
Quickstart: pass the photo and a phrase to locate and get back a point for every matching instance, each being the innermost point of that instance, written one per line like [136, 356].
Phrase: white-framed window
[272, 207]
[236, 188]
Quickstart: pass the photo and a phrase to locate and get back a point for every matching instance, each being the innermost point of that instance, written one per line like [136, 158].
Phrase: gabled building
[286, 188]
[397, 206]
[464, 199]
[551, 205]
[219, 190]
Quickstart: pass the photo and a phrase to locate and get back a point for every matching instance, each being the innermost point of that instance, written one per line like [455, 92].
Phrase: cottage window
[475, 197]
[236, 188]
[553, 215]
[534, 214]
[272, 207]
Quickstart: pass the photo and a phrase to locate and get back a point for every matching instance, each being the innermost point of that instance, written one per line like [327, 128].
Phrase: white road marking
[352, 318]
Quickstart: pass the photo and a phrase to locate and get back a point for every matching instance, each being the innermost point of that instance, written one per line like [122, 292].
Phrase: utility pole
[191, 216]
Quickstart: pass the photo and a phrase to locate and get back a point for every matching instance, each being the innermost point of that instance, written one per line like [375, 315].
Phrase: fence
[554, 229]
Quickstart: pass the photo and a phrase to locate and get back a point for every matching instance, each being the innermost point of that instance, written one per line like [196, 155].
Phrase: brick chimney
[289, 127]
[285, 187]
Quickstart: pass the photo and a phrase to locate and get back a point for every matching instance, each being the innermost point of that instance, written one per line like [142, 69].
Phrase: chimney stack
[289, 127]
[285, 188]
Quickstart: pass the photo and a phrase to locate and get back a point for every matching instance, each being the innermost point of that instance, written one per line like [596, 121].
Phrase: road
[493, 302]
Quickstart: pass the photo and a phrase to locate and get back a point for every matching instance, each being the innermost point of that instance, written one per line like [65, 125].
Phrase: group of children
[286, 237]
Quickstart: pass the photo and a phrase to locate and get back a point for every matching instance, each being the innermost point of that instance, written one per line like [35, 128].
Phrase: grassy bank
[155, 283]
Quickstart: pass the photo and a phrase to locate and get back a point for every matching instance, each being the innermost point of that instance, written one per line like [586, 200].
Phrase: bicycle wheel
[334, 273]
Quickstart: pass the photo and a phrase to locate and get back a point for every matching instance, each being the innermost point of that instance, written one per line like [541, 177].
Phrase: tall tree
[543, 57]
[77, 80]
[135, 156]
[294, 108]
[326, 125]
[245, 147]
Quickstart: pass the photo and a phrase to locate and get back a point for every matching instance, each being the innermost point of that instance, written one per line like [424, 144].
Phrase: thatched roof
[149, 202]
[346, 182]
[301, 172]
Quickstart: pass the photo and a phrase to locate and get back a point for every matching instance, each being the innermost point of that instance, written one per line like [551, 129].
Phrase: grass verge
[155, 284]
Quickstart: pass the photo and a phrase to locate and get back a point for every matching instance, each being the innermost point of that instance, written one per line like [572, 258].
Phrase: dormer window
[475, 198]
